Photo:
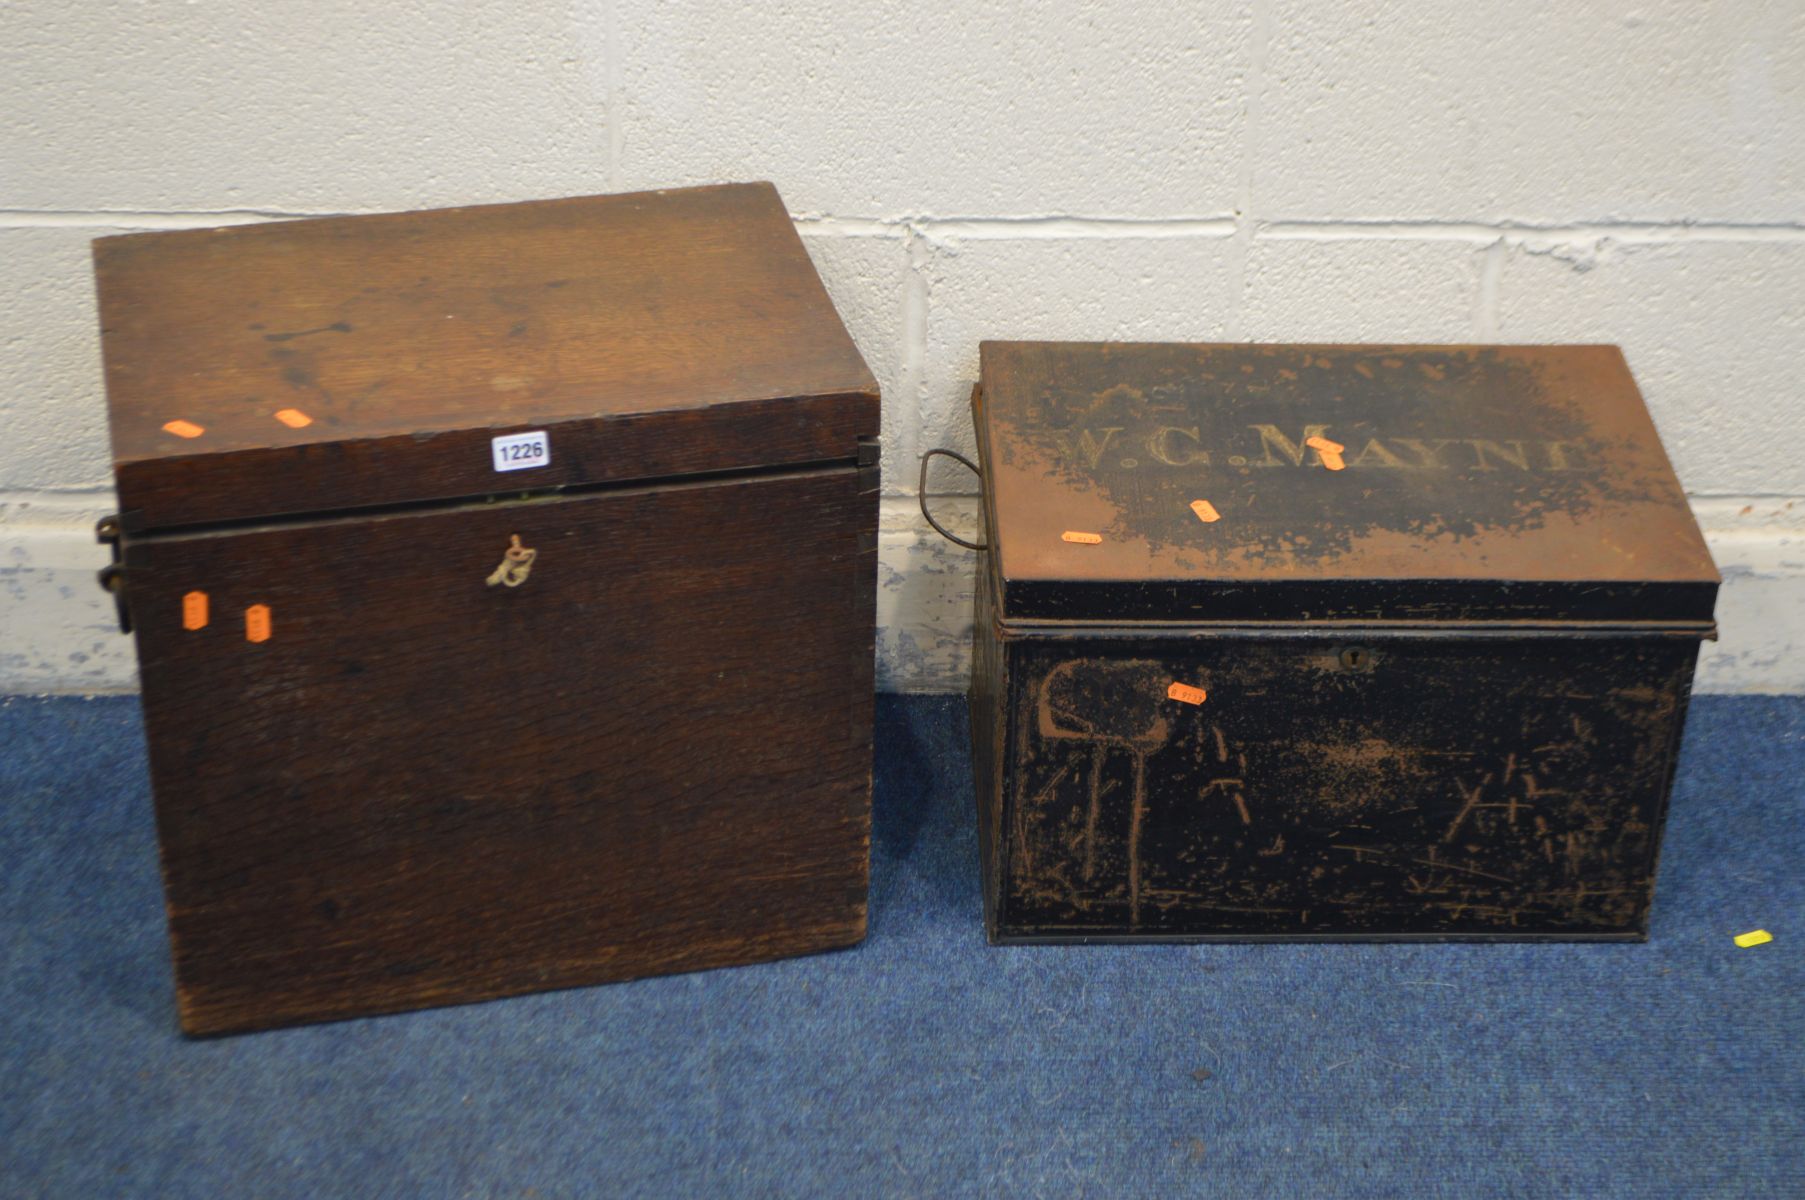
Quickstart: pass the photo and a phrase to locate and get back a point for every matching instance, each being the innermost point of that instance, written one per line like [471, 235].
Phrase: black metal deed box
[1326, 641]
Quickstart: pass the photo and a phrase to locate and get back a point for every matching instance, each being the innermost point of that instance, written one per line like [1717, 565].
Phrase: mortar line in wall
[1246, 224]
[72, 494]
[1491, 281]
[1032, 226]
[611, 60]
[1026, 225]
[831, 226]
[1075, 227]
[150, 218]
[1016, 228]
[1052, 226]
[916, 302]
[1486, 232]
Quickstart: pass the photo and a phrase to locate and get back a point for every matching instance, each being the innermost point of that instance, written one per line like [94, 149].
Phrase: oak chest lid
[350, 362]
[1197, 483]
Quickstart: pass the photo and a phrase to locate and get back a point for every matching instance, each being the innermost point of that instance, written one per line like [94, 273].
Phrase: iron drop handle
[921, 494]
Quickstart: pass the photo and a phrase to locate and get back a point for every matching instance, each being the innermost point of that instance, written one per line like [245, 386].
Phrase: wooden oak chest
[1326, 642]
[503, 586]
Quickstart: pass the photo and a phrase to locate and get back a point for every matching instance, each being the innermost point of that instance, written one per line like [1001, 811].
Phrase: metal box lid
[1235, 483]
[352, 362]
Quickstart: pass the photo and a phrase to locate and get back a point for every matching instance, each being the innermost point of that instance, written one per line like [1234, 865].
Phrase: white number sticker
[518, 451]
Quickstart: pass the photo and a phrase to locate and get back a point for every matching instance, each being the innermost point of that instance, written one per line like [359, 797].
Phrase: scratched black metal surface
[1510, 786]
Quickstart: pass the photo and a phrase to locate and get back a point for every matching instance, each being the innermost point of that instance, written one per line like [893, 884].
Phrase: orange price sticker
[1329, 452]
[194, 610]
[1206, 512]
[294, 418]
[1082, 538]
[1186, 694]
[256, 623]
[183, 429]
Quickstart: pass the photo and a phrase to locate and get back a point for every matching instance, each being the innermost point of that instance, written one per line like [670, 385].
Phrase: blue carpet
[925, 1063]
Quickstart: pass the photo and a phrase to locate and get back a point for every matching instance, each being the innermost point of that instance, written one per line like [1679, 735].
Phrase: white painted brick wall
[995, 283]
[53, 421]
[1361, 290]
[1532, 110]
[875, 109]
[298, 106]
[1709, 328]
[1269, 170]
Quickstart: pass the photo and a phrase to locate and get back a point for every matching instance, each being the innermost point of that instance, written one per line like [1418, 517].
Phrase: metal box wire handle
[921, 494]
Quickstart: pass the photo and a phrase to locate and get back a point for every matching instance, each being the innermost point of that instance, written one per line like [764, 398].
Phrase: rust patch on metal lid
[1504, 466]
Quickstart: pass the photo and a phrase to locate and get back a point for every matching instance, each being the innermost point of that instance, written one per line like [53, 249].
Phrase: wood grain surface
[365, 361]
[653, 755]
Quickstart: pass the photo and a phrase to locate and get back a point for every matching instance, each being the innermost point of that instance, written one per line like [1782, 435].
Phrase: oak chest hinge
[108, 532]
[870, 464]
